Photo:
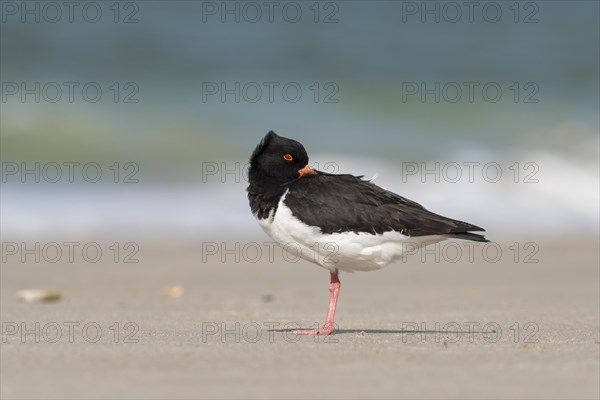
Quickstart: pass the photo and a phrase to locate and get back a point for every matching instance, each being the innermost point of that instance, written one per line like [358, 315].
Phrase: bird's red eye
[288, 157]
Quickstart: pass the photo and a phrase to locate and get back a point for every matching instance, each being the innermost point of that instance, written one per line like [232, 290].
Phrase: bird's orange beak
[306, 171]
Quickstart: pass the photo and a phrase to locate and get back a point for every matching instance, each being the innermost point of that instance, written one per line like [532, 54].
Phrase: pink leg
[334, 292]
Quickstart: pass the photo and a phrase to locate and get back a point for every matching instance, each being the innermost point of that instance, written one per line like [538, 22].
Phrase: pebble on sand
[38, 295]
[267, 298]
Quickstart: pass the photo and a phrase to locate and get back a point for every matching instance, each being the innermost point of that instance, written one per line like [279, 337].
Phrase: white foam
[565, 200]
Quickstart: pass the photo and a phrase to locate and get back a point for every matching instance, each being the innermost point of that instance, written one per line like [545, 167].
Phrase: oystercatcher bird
[340, 222]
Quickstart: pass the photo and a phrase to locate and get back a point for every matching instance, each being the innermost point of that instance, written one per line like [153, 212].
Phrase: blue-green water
[170, 102]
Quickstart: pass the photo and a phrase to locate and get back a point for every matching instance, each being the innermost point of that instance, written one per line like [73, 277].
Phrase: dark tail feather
[468, 236]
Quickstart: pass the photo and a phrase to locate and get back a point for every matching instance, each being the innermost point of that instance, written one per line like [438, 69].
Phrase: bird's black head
[278, 159]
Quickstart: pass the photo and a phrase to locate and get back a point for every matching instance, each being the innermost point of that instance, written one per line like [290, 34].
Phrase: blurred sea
[172, 133]
[554, 198]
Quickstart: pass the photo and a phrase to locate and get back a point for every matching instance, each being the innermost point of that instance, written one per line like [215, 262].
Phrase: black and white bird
[340, 222]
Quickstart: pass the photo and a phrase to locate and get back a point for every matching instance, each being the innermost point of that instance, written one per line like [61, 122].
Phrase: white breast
[347, 251]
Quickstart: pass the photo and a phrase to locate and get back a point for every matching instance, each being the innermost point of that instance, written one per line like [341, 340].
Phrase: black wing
[339, 203]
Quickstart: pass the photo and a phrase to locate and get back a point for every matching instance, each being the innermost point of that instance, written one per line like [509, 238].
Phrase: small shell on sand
[173, 291]
[38, 295]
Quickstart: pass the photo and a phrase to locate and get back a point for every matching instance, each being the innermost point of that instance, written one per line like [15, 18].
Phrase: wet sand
[467, 329]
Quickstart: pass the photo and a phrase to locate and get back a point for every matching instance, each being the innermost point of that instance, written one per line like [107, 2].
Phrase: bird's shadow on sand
[386, 331]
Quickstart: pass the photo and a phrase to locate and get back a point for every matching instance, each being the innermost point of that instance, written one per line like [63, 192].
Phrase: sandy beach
[464, 329]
